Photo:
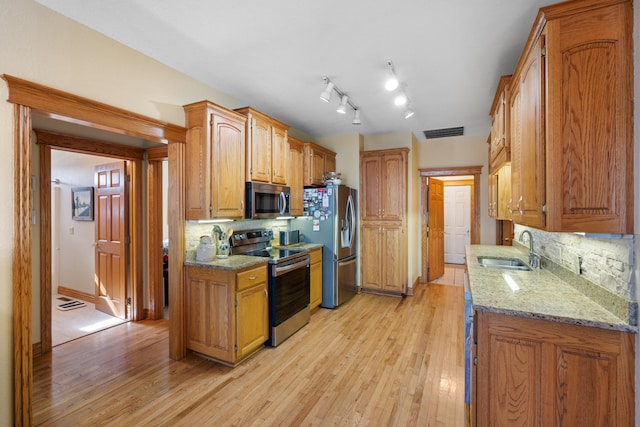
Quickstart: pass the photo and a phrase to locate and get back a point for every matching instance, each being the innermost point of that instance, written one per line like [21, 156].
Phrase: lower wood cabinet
[316, 278]
[227, 312]
[383, 257]
[541, 373]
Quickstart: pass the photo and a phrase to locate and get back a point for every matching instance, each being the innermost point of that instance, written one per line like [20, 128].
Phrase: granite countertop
[233, 262]
[548, 293]
[307, 246]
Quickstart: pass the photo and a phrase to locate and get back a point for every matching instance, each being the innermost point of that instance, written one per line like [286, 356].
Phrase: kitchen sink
[503, 263]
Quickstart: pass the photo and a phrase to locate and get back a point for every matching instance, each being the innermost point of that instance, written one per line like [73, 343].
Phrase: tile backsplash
[193, 230]
[606, 261]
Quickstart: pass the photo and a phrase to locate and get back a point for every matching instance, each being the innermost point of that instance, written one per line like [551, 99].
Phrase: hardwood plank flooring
[377, 360]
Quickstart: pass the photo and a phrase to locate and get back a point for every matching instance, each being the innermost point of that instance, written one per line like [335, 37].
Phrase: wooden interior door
[111, 234]
[435, 219]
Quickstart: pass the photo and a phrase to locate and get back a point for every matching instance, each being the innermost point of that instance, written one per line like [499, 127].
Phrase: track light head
[356, 117]
[392, 82]
[408, 113]
[400, 99]
[326, 95]
[342, 108]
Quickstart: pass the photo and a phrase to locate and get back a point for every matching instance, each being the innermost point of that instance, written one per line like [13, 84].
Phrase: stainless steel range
[289, 283]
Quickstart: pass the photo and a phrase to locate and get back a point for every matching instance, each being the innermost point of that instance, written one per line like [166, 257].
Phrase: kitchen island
[548, 347]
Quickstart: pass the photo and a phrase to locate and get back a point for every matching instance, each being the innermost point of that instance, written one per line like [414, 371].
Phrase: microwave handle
[282, 203]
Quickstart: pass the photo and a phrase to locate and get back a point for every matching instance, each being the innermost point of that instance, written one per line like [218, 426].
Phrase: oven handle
[279, 271]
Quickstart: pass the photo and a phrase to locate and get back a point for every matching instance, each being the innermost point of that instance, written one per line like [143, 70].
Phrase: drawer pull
[252, 277]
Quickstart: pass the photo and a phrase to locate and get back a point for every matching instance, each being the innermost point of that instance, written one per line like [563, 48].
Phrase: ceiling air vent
[444, 132]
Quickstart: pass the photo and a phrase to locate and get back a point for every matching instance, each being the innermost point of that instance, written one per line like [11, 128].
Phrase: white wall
[44, 47]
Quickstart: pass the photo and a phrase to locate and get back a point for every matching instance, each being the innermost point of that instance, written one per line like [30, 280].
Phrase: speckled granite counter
[307, 246]
[542, 294]
[233, 262]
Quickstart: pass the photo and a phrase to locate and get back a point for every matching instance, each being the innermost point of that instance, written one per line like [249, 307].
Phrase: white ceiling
[272, 55]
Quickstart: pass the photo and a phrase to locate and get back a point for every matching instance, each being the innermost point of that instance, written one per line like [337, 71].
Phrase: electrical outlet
[576, 262]
[558, 254]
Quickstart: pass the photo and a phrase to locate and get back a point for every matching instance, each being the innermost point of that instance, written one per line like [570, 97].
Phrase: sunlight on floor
[101, 325]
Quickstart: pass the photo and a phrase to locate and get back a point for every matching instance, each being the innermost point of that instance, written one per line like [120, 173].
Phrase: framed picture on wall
[82, 203]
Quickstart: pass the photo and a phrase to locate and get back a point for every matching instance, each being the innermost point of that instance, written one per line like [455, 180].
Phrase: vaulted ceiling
[272, 55]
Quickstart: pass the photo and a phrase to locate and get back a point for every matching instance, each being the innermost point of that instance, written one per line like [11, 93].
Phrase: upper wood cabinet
[384, 177]
[267, 148]
[500, 147]
[317, 161]
[541, 373]
[296, 172]
[214, 162]
[572, 119]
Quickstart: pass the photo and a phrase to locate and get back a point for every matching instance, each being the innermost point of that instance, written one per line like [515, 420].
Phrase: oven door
[289, 289]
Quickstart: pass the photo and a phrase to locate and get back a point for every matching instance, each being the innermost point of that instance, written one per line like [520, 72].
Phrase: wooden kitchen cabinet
[493, 195]
[267, 148]
[315, 277]
[503, 184]
[317, 161]
[383, 174]
[296, 180]
[214, 162]
[383, 257]
[542, 373]
[572, 118]
[500, 147]
[227, 312]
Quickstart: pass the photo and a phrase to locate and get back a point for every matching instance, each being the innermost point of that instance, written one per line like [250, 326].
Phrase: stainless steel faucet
[534, 259]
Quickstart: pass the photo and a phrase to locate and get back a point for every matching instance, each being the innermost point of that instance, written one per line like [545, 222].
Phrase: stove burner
[257, 243]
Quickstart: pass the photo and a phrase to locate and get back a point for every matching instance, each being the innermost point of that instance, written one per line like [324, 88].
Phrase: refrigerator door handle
[351, 220]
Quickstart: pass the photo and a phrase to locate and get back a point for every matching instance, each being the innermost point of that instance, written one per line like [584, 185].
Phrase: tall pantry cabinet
[383, 228]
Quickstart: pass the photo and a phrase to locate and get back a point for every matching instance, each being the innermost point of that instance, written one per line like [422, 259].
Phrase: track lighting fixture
[344, 100]
[342, 108]
[392, 82]
[408, 113]
[356, 117]
[326, 95]
[400, 99]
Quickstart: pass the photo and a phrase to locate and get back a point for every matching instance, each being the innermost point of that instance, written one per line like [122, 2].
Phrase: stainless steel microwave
[266, 200]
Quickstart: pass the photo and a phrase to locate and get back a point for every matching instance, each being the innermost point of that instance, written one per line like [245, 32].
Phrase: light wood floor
[453, 275]
[376, 361]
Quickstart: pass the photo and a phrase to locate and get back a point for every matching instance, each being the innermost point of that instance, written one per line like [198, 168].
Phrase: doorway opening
[433, 221]
[78, 308]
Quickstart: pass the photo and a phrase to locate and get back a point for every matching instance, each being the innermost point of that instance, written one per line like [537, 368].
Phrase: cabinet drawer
[315, 256]
[250, 278]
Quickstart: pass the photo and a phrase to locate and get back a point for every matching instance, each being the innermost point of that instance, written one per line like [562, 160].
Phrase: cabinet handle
[252, 277]
[520, 206]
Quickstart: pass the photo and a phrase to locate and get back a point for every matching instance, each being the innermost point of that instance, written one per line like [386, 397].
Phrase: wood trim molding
[476, 171]
[21, 268]
[28, 98]
[158, 153]
[76, 109]
[73, 293]
[45, 248]
[154, 242]
[79, 144]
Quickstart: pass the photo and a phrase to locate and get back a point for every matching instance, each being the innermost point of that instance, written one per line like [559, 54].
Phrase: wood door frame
[29, 98]
[476, 171]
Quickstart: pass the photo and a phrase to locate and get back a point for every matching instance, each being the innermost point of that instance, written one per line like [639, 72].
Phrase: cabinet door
[371, 255]
[228, 167]
[208, 314]
[252, 319]
[279, 155]
[504, 193]
[394, 186]
[393, 257]
[589, 128]
[493, 195]
[316, 173]
[259, 151]
[329, 163]
[527, 145]
[197, 166]
[296, 170]
[371, 178]
[315, 278]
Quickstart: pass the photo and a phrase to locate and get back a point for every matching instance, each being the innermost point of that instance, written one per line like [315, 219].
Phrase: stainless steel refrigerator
[330, 218]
